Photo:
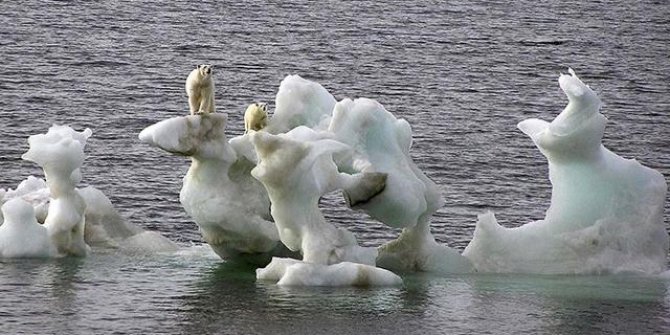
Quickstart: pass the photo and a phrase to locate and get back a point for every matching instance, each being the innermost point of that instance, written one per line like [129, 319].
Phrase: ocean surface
[463, 73]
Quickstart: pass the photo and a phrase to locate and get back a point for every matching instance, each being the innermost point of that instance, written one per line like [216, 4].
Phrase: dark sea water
[463, 73]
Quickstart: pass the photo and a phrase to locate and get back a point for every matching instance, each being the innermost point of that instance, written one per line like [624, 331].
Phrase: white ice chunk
[381, 144]
[28, 186]
[416, 250]
[106, 228]
[276, 269]
[104, 225]
[606, 212]
[583, 104]
[290, 272]
[35, 191]
[301, 102]
[21, 236]
[230, 207]
[60, 152]
[296, 174]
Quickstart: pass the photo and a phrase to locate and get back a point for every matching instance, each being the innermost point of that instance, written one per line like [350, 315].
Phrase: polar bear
[256, 117]
[200, 90]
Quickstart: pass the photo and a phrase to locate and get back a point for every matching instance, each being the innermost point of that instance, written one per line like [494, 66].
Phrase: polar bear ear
[198, 66]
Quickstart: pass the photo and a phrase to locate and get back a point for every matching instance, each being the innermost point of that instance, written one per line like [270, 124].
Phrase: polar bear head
[205, 70]
[257, 107]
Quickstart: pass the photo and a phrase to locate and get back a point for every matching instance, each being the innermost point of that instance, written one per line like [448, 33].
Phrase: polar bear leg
[205, 102]
[209, 104]
[211, 108]
[263, 122]
[193, 103]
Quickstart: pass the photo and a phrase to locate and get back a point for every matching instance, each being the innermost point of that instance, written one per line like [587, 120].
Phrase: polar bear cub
[200, 90]
[256, 117]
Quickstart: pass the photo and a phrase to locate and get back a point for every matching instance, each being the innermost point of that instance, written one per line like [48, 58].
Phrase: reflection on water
[227, 297]
[34, 289]
[197, 293]
[575, 304]
[233, 300]
[63, 289]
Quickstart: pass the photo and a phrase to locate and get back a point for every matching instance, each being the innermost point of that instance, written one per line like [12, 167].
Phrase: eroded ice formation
[106, 228]
[381, 143]
[73, 218]
[296, 174]
[606, 212]
[312, 145]
[229, 206]
[20, 233]
[33, 190]
[60, 152]
[301, 102]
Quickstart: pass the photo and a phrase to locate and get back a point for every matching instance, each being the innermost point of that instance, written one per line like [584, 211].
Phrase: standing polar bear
[256, 117]
[200, 90]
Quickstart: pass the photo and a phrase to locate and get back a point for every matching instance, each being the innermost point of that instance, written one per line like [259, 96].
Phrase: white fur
[256, 117]
[200, 90]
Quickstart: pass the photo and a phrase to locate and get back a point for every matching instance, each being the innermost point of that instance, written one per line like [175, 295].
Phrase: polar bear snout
[205, 69]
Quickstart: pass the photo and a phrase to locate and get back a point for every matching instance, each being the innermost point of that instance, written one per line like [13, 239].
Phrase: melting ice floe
[21, 235]
[313, 145]
[381, 143]
[292, 272]
[606, 212]
[60, 152]
[255, 197]
[296, 174]
[73, 219]
[228, 204]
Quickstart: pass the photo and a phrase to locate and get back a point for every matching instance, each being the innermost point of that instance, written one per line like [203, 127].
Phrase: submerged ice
[606, 212]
